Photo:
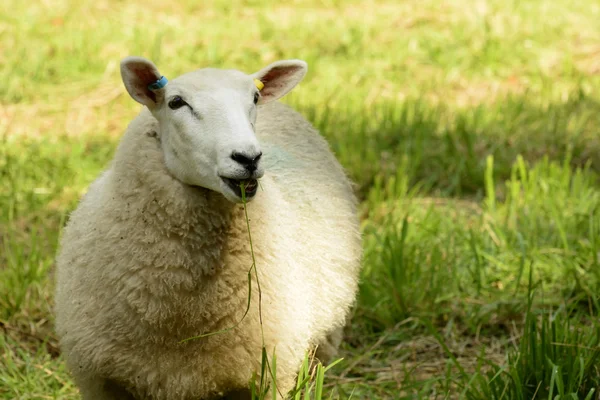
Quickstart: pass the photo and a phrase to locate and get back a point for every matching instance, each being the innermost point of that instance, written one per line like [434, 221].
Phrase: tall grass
[557, 358]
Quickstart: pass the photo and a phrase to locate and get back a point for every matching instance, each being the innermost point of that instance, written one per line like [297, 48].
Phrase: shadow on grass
[444, 150]
[460, 266]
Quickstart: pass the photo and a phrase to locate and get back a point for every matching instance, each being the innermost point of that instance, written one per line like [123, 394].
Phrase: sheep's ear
[138, 73]
[279, 78]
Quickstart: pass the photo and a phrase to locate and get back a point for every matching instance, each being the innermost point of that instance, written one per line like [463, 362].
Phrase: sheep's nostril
[241, 158]
[249, 162]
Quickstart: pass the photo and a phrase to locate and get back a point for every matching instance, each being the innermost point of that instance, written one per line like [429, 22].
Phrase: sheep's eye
[256, 96]
[176, 102]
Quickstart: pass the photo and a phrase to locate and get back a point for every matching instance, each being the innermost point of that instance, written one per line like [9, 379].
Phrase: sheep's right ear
[138, 74]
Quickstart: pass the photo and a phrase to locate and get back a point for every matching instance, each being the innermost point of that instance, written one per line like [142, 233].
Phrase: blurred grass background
[471, 128]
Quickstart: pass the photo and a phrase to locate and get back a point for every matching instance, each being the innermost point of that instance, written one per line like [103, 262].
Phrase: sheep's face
[207, 135]
[207, 120]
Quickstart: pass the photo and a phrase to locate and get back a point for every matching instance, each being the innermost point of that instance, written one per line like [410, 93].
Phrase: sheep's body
[148, 261]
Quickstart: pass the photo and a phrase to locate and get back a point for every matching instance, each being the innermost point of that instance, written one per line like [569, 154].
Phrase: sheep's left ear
[279, 78]
[138, 75]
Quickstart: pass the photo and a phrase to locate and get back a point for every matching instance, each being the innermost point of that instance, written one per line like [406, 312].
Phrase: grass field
[471, 128]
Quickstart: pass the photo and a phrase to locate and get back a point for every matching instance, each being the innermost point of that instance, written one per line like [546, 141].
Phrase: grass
[471, 129]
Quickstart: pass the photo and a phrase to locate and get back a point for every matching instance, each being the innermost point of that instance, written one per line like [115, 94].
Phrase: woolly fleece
[147, 261]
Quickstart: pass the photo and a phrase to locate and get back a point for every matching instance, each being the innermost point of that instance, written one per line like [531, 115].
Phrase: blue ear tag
[159, 84]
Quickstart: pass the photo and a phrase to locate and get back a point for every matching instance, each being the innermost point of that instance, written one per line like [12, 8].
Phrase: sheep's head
[207, 118]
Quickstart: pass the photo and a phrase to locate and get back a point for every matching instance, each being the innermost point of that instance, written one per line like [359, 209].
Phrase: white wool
[149, 259]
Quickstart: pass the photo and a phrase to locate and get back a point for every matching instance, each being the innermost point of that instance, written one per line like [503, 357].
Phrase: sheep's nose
[250, 162]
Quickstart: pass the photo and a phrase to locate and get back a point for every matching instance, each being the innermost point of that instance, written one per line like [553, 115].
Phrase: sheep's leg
[240, 394]
[328, 348]
[96, 388]
[117, 391]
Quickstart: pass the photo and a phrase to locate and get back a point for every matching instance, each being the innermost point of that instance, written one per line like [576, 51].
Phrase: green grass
[472, 130]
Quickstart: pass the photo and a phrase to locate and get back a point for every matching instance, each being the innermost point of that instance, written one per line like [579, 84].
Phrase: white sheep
[158, 249]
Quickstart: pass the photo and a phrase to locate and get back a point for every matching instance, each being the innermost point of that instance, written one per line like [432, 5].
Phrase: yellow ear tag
[259, 84]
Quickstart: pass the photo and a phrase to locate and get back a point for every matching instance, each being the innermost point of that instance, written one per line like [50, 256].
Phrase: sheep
[157, 250]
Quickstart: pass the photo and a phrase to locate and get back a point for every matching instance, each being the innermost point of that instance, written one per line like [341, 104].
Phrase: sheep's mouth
[250, 186]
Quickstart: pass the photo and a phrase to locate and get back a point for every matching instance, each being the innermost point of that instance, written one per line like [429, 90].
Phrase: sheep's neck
[186, 237]
[198, 222]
